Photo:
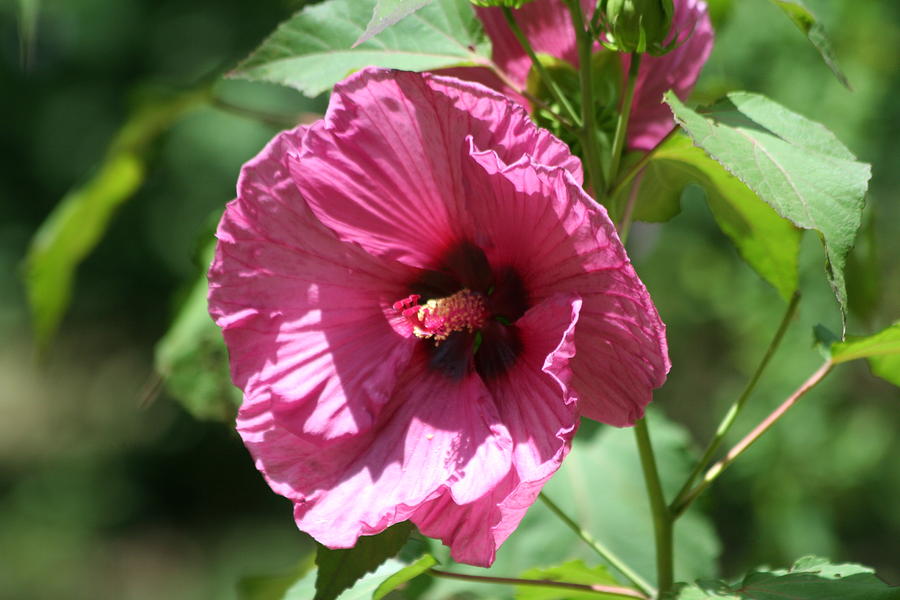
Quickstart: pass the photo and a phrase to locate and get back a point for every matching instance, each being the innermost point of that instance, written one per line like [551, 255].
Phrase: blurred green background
[111, 490]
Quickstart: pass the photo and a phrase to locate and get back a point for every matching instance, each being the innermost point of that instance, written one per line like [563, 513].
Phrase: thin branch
[281, 121]
[548, 80]
[598, 589]
[604, 552]
[739, 448]
[505, 80]
[735, 409]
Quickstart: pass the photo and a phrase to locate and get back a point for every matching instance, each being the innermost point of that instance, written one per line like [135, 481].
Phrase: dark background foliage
[109, 492]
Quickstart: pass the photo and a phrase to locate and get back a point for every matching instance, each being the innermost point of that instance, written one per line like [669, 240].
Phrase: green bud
[639, 25]
[508, 3]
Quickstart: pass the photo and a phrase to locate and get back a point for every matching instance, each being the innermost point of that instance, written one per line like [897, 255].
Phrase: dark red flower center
[464, 311]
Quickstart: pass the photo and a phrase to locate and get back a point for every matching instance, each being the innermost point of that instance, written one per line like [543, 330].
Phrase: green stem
[588, 125]
[607, 554]
[546, 583]
[662, 518]
[634, 169]
[545, 75]
[624, 224]
[735, 409]
[739, 448]
[280, 121]
[624, 115]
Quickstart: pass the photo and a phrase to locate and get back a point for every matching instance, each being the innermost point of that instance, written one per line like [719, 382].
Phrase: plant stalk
[624, 115]
[624, 224]
[662, 518]
[546, 583]
[735, 409]
[634, 169]
[604, 552]
[714, 471]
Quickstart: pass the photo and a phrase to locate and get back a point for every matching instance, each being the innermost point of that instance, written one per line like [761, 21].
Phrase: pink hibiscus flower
[548, 26]
[418, 301]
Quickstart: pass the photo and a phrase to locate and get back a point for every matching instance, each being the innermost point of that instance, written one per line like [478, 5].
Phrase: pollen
[438, 318]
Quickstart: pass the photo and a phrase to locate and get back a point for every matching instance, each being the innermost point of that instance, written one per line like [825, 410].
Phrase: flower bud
[639, 25]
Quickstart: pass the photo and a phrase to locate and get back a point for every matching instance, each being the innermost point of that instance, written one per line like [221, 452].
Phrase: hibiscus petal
[572, 247]
[474, 532]
[301, 311]
[534, 397]
[678, 70]
[540, 411]
[437, 436]
[383, 168]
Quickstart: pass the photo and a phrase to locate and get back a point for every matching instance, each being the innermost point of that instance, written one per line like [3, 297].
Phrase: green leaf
[69, 234]
[702, 590]
[273, 587]
[768, 243]
[313, 50]
[881, 349]
[797, 166]
[387, 13]
[363, 589]
[600, 485]
[404, 575]
[193, 361]
[807, 23]
[340, 569]
[79, 221]
[574, 571]
[810, 578]
[883, 343]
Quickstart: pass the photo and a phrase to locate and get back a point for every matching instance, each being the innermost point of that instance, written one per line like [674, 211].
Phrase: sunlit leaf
[388, 12]
[193, 361]
[338, 570]
[574, 571]
[881, 349]
[404, 575]
[273, 587]
[299, 54]
[769, 243]
[362, 589]
[810, 578]
[807, 23]
[391, 575]
[79, 221]
[795, 165]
